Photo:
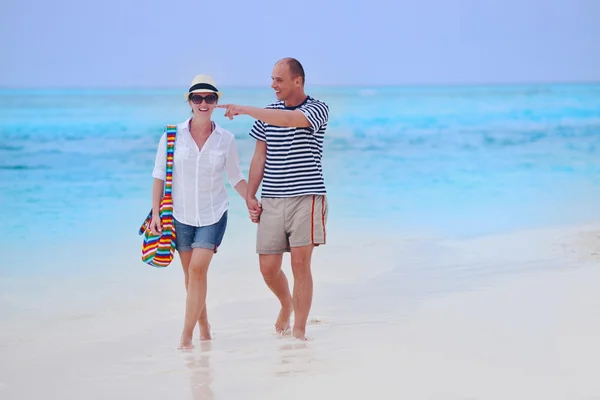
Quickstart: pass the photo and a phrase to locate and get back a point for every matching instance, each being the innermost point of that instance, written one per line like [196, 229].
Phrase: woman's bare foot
[282, 325]
[186, 343]
[205, 331]
[299, 333]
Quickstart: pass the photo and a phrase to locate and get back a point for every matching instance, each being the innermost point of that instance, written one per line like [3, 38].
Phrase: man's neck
[296, 100]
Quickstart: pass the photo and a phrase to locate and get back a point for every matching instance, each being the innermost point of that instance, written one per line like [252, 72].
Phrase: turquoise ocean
[454, 161]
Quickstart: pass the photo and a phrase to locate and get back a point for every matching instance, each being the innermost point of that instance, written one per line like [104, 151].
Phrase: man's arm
[288, 118]
[257, 168]
[255, 176]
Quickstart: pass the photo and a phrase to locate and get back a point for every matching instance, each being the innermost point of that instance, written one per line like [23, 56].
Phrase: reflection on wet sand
[201, 373]
[296, 358]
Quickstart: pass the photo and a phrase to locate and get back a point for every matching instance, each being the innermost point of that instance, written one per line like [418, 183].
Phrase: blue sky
[110, 43]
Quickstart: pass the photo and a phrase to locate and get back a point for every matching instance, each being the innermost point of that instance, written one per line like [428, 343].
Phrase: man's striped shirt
[293, 166]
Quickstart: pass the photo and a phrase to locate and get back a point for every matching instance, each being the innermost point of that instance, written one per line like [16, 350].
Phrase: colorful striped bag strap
[171, 131]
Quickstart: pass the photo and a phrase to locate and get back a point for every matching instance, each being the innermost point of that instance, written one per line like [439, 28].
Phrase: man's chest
[286, 134]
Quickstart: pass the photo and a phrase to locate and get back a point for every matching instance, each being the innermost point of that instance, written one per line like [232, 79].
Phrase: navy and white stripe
[293, 166]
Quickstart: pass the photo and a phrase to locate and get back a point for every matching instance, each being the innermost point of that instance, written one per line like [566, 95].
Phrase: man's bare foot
[186, 343]
[282, 325]
[299, 333]
[205, 331]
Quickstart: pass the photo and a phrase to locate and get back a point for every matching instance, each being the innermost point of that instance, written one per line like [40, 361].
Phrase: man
[292, 217]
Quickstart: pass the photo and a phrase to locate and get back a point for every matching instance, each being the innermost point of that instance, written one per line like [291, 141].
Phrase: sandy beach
[508, 316]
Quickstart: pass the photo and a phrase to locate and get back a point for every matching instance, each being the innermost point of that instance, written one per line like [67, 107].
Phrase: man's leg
[185, 257]
[271, 243]
[303, 288]
[270, 267]
[306, 220]
[196, 293]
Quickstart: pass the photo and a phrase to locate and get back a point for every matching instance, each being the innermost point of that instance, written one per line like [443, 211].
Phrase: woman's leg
[185, 257]
[196, 293]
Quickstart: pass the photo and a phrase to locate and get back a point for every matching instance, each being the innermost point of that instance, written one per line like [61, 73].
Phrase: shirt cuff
[255, 136]
[159, 174]
[235, 181]
[314, 123]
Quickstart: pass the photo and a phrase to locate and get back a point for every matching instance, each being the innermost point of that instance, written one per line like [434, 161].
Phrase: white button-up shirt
[199, 195]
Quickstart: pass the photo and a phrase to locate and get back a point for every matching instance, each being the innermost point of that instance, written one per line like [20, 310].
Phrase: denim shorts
[200, 237]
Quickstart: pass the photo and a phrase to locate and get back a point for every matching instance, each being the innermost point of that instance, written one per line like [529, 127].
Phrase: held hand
[155, 227]
[254, 209]
[231, 110]
[255, 216]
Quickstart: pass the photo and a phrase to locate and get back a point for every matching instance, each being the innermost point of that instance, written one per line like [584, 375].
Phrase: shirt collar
[185, 126]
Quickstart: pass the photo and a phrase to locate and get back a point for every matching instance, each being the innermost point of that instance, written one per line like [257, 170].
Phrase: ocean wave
[467, 138]
[6, 147]
[21, 167]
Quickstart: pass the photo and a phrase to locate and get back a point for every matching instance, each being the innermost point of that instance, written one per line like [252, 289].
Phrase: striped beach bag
[158, 250]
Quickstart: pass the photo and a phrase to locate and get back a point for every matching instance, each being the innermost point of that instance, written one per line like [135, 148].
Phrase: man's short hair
[296, 68]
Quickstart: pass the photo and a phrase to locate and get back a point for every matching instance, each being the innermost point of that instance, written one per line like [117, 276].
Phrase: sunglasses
[209, 98]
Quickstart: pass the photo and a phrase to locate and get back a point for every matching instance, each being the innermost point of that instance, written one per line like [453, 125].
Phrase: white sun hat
[202, 83]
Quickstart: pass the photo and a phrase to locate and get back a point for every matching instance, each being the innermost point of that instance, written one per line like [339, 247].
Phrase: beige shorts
[291, 222]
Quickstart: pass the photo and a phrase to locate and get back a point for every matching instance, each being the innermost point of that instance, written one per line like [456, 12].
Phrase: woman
[203, 151]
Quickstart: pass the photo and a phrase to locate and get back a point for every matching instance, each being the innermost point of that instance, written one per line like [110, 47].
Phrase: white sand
[505, 317]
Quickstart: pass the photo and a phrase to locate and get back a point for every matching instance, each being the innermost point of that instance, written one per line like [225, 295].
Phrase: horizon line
[317, 85]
